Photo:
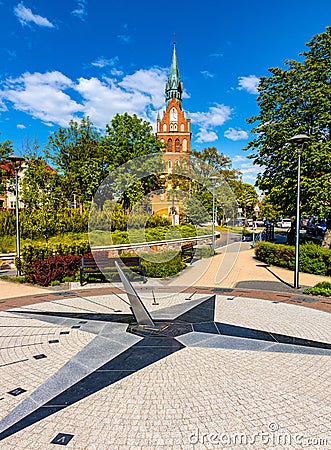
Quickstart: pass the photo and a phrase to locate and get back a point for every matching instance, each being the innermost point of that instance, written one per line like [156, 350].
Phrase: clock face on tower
[173, 115]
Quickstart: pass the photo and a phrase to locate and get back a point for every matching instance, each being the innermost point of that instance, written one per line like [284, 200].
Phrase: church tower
[174, 129]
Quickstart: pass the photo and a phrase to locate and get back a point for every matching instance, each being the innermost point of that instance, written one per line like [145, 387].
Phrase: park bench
[106, 266]
[187, 252]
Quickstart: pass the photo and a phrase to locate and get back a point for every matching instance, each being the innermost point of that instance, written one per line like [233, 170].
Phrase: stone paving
[197, 398]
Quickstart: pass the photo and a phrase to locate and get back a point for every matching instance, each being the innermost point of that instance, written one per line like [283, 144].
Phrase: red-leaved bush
[55, 267]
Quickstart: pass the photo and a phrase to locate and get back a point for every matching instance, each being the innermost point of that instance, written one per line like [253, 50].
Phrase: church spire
[174, 85]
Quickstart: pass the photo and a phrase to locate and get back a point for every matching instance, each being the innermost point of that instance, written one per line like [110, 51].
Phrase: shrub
[313, 258]
[323, 288]
[31, 253]
[7, 223]
[54, 268]
[163, 264]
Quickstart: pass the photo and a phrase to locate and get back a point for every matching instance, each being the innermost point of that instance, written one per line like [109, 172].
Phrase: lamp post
[298, 139]
[213, 180]
[16, 164]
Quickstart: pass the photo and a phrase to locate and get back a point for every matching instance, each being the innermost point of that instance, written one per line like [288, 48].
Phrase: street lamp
[213, 180]
[298, 139]
[16, 164]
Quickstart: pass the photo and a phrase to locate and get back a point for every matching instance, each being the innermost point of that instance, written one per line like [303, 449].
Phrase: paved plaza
[72, 374]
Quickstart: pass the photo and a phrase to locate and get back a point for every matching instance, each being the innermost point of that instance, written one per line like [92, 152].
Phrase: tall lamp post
[16, 164]
[298, 139]
[213, 180]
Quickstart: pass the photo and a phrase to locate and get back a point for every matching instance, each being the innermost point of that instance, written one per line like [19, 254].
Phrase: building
[174, 130]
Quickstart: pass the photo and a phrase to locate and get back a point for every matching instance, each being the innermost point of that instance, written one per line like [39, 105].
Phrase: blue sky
[63, 60]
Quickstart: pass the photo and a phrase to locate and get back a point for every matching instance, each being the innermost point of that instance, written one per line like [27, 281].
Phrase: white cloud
[149, 82]
[248, 170]
[102, 62]
[25, 16]
[102, 100]
[236, 134]
[42, 96]
[216, 116]
[125, 38]
[249, 84]
[80, 10]
[207, 74]
[20, 126]
[204, 135]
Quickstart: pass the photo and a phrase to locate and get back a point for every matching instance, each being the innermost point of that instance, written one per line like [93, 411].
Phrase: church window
[169, 145]
[177, 146]
[182, 127]
[184, 145]
[164, 127]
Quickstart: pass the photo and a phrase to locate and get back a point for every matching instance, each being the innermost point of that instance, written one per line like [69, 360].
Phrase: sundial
[127, 343]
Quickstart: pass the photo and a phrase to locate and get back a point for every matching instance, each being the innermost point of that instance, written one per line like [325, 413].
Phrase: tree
[75, 152]
[41, 186]
[6, 148]
[292, 101]
[247, 197]
[126, 138]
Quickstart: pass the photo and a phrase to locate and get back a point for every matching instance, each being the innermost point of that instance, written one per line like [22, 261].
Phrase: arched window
[169, 145]
[177, 146]
[177, 163]
[169, 166]
[184, 145]
[164, 127]
[182, 127]
[171, 127]
[175, 126]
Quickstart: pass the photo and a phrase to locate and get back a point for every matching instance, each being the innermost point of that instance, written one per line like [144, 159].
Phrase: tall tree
[292, 101]
[75, 153]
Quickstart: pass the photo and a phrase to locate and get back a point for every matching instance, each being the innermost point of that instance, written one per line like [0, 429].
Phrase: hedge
[323, 288]
[30, 253]
[313, 258]
[54, 268]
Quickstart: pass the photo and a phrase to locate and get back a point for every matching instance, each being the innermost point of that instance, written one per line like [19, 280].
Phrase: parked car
[284, 223]
[320, 227]
[304, 221]
[316, 226]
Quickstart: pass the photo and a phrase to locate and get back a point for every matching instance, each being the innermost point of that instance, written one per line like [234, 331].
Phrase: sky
[66, 59]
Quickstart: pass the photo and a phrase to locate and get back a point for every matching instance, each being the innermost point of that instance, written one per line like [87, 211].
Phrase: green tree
[6, 148]
[292, 101]
[128, 137]
[247, 197]
[41, 186]
[76, 154]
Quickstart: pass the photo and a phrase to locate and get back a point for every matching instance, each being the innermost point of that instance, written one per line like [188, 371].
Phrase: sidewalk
[236, 266]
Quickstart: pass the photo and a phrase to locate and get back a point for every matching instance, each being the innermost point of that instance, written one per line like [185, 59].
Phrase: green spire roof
[174, 85]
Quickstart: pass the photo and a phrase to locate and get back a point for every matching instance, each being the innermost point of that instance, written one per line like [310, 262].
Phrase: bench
[106, 266]
[187, 252]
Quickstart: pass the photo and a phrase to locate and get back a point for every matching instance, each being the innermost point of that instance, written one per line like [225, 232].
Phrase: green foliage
[156, 267]
[7, 223]
[32, 252]
[295, 101]
[323, 288]
[313, 258]
[76, 154]
[41, 186]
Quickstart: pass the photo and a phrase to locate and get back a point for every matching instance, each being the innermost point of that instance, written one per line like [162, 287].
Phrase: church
[174, 130]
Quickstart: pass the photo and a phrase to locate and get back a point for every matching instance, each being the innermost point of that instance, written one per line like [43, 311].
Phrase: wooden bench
[187, 252]
[106, 266]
